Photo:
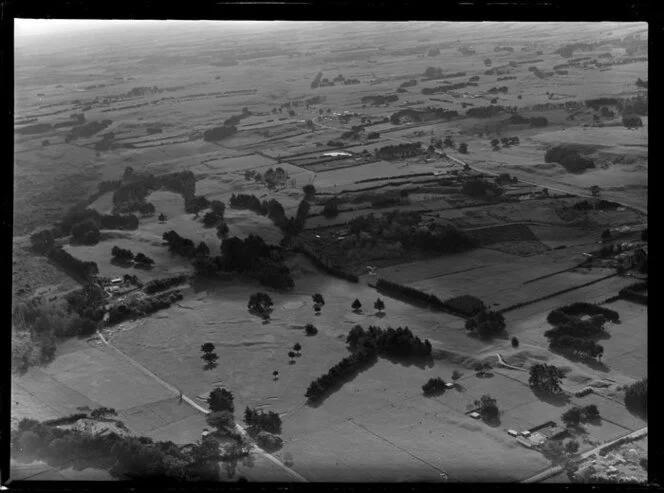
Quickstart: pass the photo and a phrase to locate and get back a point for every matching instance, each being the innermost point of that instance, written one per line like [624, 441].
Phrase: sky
[40, 27]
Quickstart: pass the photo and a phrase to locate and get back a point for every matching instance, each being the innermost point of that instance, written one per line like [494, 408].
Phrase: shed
[474, 415]
[525, 433]
[524, 442]
[116, 280]
[513, 433]
[449, 385]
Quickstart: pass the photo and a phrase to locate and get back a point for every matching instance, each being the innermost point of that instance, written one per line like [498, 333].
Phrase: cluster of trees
[409, 83]
[437, 73]
[141, 307]
[404, 227]
[595, 104]
[343, 370]
[636, 292]
[466, 305]
[399, 151]
[88, 301]
[310, 330]
[585, 205]
[578, 414]
[126, 256]
[235, 119]
[485, 111]
[379, 99]
[209, 356]
[636, 397]
[447, 88]
[87, 129]
[323, 264]
[86, 232]
[505, 179]
[163, 284]
[316, 82]
[38, 324]
[507, 77]
[497, 90]
[517, 119]
[262, 421]
[539, 121]
[261, 304]
[642, 84]
[70, 263]
[577, 345]
[632, 121]
[546, 378]
[568, 158]
[486, 323]
[219, 133]
[274, 211]
[331, 209]
[272, 177]
[434, 386]
[399, 342]
[564, 314]
[136, 458]
[184, 246]
[487, 406]
[426, 114]
[480, 187]
[505, 141]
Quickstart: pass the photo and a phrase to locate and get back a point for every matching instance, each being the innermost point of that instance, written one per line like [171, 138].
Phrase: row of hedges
[634, 292]
[407, 293]
[564, 313]
[142, 307]
[70, 263]
[157, 285]
[324, 266]
[553, 295]
[413, 175]
[344, 370]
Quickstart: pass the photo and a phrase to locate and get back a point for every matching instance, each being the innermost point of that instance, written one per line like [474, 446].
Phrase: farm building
[553, 432]
[474, 415]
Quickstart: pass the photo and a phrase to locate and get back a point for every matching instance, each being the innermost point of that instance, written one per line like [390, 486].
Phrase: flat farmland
[385, 416]
[250, 350]
[627, 348]
[503, 285]
[529, 322]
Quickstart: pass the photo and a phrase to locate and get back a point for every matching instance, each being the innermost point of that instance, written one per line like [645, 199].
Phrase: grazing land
[220, 208]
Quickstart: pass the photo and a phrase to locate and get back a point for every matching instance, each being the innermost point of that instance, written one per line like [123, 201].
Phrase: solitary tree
[515, 342]
[260, 303]
[546, 378]
[356, 305]
[317, 309]
[318, 299]
[572, 447]
[291, 355]
[456, 375]
[275, 375]
[310, 330]
[572, 416]
[208, 347]
[463, 148]
[594, 190]
[297, 347]
[221, 400]
[379, 305]
[488, 408]
[309, 189]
